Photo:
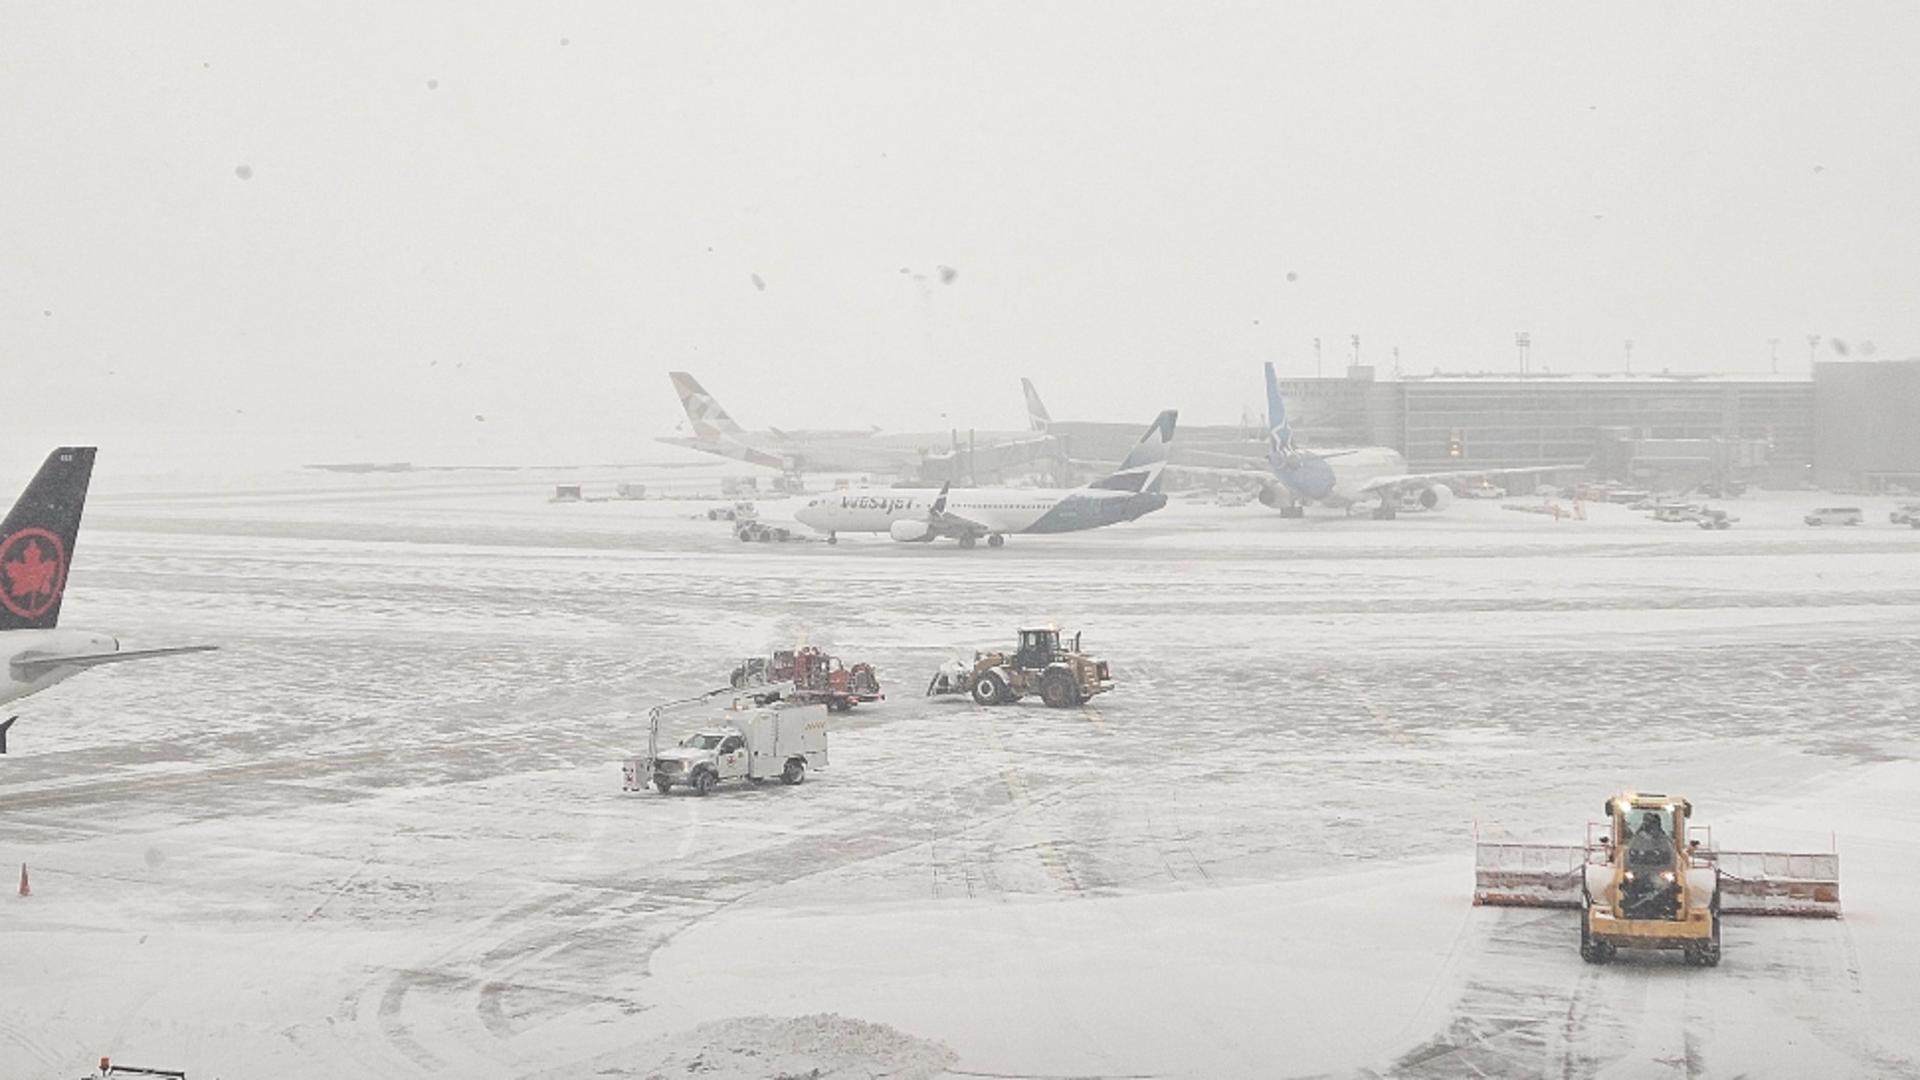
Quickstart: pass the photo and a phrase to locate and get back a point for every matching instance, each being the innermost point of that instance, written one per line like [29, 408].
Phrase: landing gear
[833, 538]
[1385, 512]
[996, 540]
[966, 540]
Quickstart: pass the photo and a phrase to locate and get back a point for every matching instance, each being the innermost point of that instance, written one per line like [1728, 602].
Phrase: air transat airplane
[36, 547]
[871, 450]
[1372, 477]
[967, 515]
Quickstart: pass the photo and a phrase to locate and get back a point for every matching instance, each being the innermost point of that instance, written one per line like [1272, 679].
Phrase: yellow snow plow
[1647, 878]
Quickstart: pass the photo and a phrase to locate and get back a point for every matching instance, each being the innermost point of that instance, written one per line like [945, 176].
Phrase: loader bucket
[1527, 875]
[1779, 883]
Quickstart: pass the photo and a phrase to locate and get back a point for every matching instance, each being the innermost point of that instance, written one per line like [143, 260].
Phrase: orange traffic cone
[25, 889]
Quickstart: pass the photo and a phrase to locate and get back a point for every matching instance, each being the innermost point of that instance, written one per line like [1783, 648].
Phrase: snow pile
[801, 1048]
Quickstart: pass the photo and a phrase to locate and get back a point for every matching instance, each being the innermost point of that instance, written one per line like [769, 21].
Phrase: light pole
[1813, 349]
[1316, 358]
[1355, 338]
[1523, 341]
[1629, 356]
[1773, 351]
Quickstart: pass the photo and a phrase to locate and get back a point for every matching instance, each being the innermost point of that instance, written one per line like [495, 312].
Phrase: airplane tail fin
[1143, 468]
[1037, 419]
[709, 419]
[1279, 433]
[36, 542]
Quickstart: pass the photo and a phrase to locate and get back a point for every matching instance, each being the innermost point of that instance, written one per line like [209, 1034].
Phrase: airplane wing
[33, 666]
[728, 449]
[947, 523]
[957, 525]
[1412, 480]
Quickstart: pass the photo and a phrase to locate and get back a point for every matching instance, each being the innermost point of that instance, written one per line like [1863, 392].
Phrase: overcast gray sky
[326, 231]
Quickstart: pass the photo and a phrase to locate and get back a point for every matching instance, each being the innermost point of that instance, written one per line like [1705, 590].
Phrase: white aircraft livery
[36, 547]
[870, 450]
[969, 514]
[1375, 477]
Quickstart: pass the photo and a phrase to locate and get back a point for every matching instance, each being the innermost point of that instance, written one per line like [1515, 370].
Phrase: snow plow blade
[1527, 875]
[1751, 882]
[1779, 883]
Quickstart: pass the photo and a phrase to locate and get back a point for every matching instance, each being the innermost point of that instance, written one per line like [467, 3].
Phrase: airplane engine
[908, 532]
[1435, 497]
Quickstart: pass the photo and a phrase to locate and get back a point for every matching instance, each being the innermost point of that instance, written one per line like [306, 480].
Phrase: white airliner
[969, 514]
[868, 451]
[1371, 477]
[36, 547]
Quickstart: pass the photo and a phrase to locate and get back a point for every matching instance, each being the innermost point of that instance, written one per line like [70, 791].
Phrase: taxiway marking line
[98, 788]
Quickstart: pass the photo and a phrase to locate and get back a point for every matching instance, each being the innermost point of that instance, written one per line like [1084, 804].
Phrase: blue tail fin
[1276, 409]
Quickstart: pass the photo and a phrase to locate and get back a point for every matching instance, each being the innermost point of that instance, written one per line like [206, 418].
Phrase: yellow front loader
[1647, 878]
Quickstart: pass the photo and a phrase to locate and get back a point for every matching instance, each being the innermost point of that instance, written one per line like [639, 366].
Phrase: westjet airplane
[967, 515]
[36, 547]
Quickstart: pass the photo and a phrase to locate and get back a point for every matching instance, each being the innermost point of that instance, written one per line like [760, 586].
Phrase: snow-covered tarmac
[381, 832]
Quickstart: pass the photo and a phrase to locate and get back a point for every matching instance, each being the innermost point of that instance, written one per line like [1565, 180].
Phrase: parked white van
[1836, 515]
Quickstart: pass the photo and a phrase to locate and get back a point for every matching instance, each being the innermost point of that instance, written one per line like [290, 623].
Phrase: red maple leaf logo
[32, 572]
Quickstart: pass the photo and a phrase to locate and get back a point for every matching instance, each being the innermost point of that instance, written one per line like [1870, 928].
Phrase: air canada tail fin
[36, 542]
[709, 419]
[1144, 465]
[1037, 419]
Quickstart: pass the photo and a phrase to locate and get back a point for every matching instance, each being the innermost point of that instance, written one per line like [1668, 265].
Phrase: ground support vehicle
[808, 676]
[1836, 515]
[755, 743]
[755, 531]
[1905, 514]
[1043, 665]
[1647, 879]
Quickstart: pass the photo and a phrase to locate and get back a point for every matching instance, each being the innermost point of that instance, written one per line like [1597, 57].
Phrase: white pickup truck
[751, 744]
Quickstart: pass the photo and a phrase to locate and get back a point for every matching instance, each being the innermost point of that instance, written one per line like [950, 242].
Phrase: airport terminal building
[1849, 426]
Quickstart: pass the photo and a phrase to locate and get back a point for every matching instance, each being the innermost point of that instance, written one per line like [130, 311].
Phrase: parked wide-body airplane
[1370, 477]
[970, 514]
[873, 451]
[36, 548]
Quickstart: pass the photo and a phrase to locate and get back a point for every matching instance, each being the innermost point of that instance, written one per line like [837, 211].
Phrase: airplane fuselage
[1336, 477]
[868, 452]
[1000, 510]
[40, 645]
